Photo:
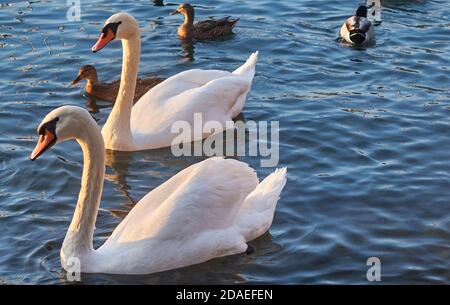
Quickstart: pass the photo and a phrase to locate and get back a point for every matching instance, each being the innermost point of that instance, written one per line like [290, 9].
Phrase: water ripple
[363, 132]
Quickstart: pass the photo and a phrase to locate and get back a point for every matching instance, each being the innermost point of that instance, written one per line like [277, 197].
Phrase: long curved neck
[78, 240]
[117, 129]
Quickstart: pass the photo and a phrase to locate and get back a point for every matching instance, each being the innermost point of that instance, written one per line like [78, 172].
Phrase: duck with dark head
[202, 30]
[357, 29]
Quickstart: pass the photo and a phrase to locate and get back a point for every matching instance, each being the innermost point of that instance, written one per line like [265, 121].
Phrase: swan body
[202, 30]
[108, 91]
[217, 95]
[210, 209]
[358, 30]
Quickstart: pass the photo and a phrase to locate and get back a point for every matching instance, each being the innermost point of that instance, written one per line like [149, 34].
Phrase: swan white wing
[205, 197]
[176, 85]
[209, 210]
[191, 79]
[216, 101]
[179, 84]
[217, 95]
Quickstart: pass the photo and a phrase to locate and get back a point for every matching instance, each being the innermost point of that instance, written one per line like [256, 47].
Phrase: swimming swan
[217, 95]
[210, 209]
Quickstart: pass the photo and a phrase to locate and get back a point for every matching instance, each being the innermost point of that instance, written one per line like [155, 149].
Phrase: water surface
[365, 135]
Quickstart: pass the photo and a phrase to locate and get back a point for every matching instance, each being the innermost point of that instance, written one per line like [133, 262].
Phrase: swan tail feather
[256, 214]
[247, 70]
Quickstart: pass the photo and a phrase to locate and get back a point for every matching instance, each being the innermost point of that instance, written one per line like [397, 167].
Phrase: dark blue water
[365, 135]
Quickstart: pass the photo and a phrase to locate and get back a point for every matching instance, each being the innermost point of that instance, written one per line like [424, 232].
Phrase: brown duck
[202, 30]
[109, 91]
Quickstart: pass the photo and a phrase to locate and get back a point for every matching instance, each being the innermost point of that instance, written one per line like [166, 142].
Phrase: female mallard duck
[358, 30]
[203, 30]
[109, 91]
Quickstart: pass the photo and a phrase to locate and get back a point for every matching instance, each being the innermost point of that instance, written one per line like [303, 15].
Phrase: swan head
[62, 124]
[118, 26]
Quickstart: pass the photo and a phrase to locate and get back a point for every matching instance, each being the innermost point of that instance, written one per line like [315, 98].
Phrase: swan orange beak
[45, 141]
[103, 40]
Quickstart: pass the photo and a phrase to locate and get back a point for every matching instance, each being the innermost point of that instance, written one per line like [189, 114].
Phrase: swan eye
[50, 126]
[111, 26]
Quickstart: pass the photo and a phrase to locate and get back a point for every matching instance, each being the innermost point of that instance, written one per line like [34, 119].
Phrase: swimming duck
[202, 30]
[358, 30]
[109, 91]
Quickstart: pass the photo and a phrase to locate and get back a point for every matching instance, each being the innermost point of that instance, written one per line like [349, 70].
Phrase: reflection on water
[188, 49]
[364, 133]
[119, 162]
[91, 105]
[158, 2]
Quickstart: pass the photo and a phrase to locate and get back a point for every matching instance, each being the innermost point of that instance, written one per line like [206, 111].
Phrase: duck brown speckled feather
[203, 30]
[208, 29]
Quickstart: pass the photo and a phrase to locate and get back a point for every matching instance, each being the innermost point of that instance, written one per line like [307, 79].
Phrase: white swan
[358, 30]
[210, 209]
[218, 95]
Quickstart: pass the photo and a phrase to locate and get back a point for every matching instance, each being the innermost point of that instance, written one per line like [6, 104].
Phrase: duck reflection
[91, 105]
[188, 49]
[94, 106]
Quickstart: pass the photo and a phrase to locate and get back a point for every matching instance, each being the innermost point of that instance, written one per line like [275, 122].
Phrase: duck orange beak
[45, 141]
[175, 12]
[103, 40]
